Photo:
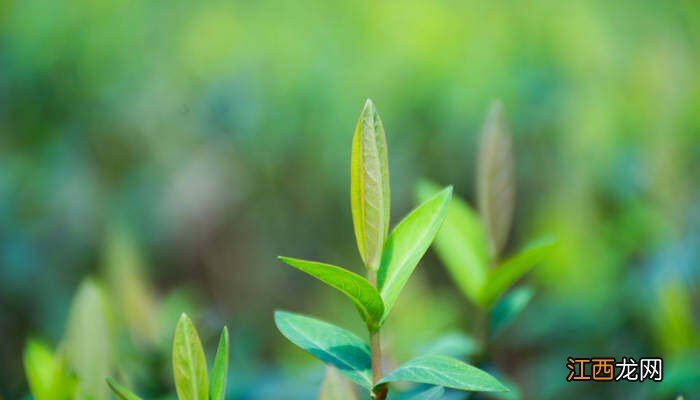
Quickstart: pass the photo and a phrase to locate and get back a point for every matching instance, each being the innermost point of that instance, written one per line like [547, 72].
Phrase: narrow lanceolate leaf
[461, 243]
[219, 371]
[369, 186]
[120, 391]
[434, 393]
[87, 344]
[494, 179]
[335, 387]
[407, 244]
[331, 344]
[508, 308]
[46, 373]
[506, 274]
[445, 371]
[365, 297]
[189, 364]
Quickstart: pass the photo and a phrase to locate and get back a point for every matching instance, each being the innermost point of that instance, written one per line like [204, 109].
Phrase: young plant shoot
[389, 261]
[192, 380]
[470, 244]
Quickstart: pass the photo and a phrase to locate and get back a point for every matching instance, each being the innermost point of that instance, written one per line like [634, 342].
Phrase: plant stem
[375, 347]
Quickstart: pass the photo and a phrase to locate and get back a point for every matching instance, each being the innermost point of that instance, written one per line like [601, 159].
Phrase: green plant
[192, 379]
[389, 260]
[470, 244]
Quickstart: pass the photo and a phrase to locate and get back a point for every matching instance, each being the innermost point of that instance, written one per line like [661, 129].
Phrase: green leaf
[220, 369]
[121, 392]
[461, 243]
[506, 274]
[87, 342]
[494, 179]
[369, 186]
[407, 244]
[46, 374]
[335, 387]
[365, 297]
[329, 343]
[508, 308]
[189, 364]
[444, 371]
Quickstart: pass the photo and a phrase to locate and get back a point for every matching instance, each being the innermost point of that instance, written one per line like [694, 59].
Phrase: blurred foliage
[201, 125]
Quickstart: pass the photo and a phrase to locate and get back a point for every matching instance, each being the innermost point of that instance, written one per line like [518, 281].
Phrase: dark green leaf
[444, 371]
[407, 244]
[189, 363]
[506, 274]
[508, 308]
[495, 182]
[121, 392]
[461, 243]
[369, 186]
[219, 371]
[365, 297]
[329, 343]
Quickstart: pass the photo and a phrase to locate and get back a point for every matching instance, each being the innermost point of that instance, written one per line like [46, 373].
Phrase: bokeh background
[170, 150]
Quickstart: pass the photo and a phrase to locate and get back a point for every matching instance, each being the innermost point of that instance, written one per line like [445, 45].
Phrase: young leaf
[444, 371]
[433, 393]
[189, 364]
[505, 275]
[461, 243]
[369, 186]
[87, 342]
[365, 297]
[407, 244]
[46, 373]
[220, 369]
[335, 387]
[120, 391]
[506, 310]
[494, 179]
[331, 344]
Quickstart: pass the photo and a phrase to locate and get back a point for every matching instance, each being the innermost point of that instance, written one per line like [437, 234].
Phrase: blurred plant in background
[196, 124]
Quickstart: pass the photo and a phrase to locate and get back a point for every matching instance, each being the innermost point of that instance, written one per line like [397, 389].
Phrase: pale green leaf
[508, 308]
[134, 296]
[88, 340]
[335, 387]
[365, 297]
[407, 244]
[46, 373]
[369, 186]
[494, 179]
[220, 369]
[512, 269]
[444, 371]
[189, 363]
[120, 391]
[329, 343]
[461, 243]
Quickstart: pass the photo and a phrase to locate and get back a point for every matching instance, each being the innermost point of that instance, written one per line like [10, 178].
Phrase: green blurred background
[171, 149]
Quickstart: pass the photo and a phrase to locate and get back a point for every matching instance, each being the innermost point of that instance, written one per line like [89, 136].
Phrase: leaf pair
[462, 246]
[404, 248]
[350, 355]
[190, 366]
